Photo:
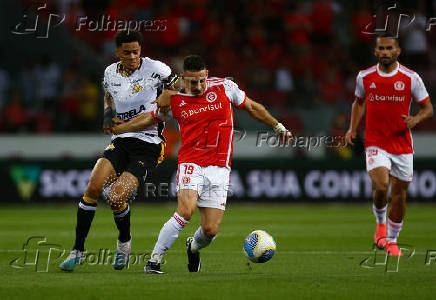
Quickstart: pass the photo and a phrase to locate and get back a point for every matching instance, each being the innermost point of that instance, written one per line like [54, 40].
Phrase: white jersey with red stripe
[206, 123]
[388, 96]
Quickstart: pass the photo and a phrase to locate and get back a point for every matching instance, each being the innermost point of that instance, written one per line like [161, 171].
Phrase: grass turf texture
[319, 251]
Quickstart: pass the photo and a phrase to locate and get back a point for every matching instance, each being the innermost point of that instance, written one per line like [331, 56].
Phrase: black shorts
[134, 156]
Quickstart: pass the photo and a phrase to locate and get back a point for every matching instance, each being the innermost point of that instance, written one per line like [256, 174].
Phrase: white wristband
[279, 128]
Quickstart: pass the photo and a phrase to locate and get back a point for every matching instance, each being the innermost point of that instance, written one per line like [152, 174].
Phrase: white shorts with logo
[210, 182]
[400, 165]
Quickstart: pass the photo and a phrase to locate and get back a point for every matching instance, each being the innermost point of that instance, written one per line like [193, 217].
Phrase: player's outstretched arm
[164, 100]
[138, 123]
[357, 111]
[259, 112]
[424, 113]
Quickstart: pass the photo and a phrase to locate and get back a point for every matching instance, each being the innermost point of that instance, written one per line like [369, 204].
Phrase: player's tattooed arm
[109, 113]
[357, 111]
[424, 113]
[138, 123]
[258, 111]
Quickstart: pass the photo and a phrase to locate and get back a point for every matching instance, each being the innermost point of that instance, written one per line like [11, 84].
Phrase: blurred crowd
[298, 58]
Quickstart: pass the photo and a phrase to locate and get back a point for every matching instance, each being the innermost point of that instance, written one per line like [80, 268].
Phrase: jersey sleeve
[162, 117]
[164, 73]
[360, 89]
[237, 96]
[419, 92]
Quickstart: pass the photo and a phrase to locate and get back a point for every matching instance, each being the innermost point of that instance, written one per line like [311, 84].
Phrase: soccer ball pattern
[259, 246]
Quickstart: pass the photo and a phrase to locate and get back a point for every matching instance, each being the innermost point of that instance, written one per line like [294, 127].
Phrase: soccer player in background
[387, 90]
[204, 112]
[130, 86]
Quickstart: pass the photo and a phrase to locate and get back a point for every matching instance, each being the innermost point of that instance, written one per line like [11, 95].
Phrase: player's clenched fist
[284, 135]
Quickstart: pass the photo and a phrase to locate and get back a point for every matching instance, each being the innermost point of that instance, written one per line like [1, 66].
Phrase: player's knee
[210, 230]
[93, 190]
[116, 197]
[185, 212]
[381, 187]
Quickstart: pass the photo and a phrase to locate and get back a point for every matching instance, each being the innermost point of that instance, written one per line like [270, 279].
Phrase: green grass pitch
[320, 249]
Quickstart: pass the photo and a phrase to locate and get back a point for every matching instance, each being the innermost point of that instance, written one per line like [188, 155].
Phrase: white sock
[380, 214]
[200, 240]
[393, 231]
[167, 236]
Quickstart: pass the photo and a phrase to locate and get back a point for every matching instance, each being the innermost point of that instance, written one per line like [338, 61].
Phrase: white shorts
[211, 183]
[400, 165]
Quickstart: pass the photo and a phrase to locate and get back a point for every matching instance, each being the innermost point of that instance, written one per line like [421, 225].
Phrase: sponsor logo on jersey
[375, 97]
[184, 114]
[130, 114]
[372, 86]
[211, 97]
[399, 85]
[209, 107]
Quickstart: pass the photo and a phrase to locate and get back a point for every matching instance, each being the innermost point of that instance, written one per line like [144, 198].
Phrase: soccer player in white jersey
[204, 112]
[130, 86]
[387, 90]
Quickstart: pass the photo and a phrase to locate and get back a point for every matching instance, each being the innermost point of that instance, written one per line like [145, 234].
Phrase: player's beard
[387, 63]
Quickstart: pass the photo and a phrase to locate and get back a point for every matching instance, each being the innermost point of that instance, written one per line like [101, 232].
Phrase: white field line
[218, 252]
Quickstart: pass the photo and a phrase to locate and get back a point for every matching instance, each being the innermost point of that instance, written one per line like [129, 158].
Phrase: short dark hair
[127, 36]
[388, 35]
[193, 63]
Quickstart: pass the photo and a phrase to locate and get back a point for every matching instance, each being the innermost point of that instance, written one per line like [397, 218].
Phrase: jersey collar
[383, 74]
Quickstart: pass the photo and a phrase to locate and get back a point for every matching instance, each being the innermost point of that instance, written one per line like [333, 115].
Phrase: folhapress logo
[375, 97]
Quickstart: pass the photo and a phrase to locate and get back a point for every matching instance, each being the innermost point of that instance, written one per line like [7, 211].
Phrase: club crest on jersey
[399, 85]
[211, 97]
[137, 88]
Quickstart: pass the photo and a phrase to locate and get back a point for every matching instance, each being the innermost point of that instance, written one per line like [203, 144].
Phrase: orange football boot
[380, 236]
[392, 249]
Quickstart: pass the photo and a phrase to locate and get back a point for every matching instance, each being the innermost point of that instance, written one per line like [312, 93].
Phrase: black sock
[122, 220]
[85, 215]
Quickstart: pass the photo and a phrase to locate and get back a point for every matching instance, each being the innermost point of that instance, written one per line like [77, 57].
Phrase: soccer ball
[259, 246]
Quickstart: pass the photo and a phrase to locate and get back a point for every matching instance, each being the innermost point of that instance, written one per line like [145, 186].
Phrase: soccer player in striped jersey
[387, 90]
[204, 112]
[131, 85]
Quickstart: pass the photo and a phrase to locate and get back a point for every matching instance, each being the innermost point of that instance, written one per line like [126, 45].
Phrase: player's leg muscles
[120, 192]
[398, 194]
[380, 183]
[210, 223]
[102, 174]
[186, 203]
[210, 220]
